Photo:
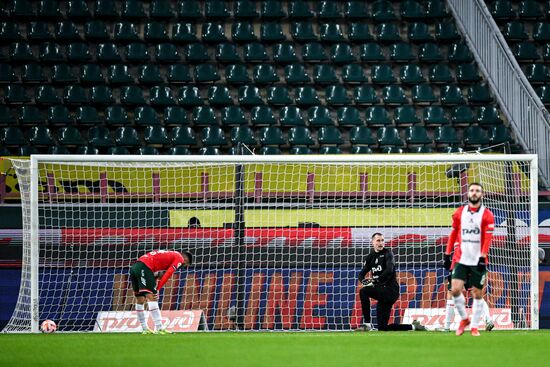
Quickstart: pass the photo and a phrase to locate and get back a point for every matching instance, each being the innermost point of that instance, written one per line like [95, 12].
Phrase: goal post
[277, 241]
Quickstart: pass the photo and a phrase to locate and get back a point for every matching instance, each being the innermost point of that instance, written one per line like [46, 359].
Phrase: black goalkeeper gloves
[482, 264]
[368, 282]
[447, 262]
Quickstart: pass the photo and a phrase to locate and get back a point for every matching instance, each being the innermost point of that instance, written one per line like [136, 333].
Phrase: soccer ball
[48, 326]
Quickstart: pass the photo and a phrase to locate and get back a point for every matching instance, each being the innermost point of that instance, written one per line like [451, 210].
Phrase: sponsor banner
[127, 322]
[435, 317]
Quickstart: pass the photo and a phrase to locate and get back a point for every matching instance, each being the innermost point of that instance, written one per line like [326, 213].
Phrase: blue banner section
[322, 298]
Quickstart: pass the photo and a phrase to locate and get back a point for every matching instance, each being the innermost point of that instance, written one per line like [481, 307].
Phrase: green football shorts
[143, 279]
[470, 274]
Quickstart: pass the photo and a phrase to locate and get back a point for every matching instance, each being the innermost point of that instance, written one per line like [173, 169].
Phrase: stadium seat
[361, 135]
[435, 115]
[184, 32]
[160, 96]
[479, 94]
[296, 74]
[245, 9]
[459, 53]
[133, 9]
[526, 51]
[319, 116]
[475, 135]
[361, 149]
[178, 151]
[6, 116]
[36, 32]
[249, 95]
[327, 10]
[436, 9]
[178, 74]
[271, 32]
[183, 135]
[233, 115]
[502, 9]
[15, 94]
[284, 53]
[411, 10]
[175, 116]
[382, 74]
[270, 151]
[300, 135]
[118, 151]
[359, 32]
[377, 115]
[78, 52]
[146, 116]
[189, 96]
[87, 116]
[330, 150]
[353, 73]
[31, 115]
[126, 32]
[356, 10]
[389, 136]
[446, 32]
[324, 74]
[262, 115]
[21, 52]
[107, 53]
[156, 136]
[388, 32]
[272, 135]
[243, 32]
[401, 52]
[342, 53]
[63, 74]
[420, 149]
[244, 135]
[213, 32]
[529, 9]
[255, 52]
[467, 73]
[66, 31]
[298, 9]
[306, 96]
[105, 9]
[418, 32]
[219, 95]
[537, 73]
[489, 115]
[300, 150]
[12, 136]
[147, 151]
[411, 74]
[58, 116]
[462, 115]
[348, 116]
[41, 136]
[272, 9]
[417, 135]
[116, 116]
[429, 52]
[441, 74]
[213, 136]
[101, 95]
[7, 74]
[291, 116]
[21, 9]
[50, 52]
[9, 32]
[336, 95]
[330, 135]
[393, 95]
[278, 96]
[451, 95]
[70, 136]
[313, 52]
[96, 30]
[302, 32]
[149, 74]
[206, 73]
[499, 134]
[514, 31]
[86, 149]
[55, 149]
[47, 95]
[161, 9]
[365, 95]
[541, 32]
[166, 53]
[100, 137]
[189, 9]
[132, 95]
[406, 115]
[204, 116]
[383, 11]
[119, 74]
[227, 53]
[137, 53]
[331, 33]
[446, 135]
[126, 136]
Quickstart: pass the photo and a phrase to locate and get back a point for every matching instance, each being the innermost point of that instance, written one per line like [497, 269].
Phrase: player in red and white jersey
[144, 274]
[473, 226]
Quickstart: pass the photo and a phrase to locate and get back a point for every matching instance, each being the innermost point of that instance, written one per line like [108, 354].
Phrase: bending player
[142, 275]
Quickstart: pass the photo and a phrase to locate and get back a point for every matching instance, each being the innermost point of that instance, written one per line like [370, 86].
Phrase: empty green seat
[300, 150]
[359, 32]
[446, 135]
[361, 149]
[51, 52]
[446, 32]
[161, 9]
[272, 135]
[86, 115]
[262, 115]
[245, 9]
[479, 94]
[529, 9]
[161, 96]
[133, 9]
[341, 53]
[401, 52]
[389, 136]
[219, 95]
[336, 95]
[353, 73]
[393, 94]
[451, 95]
[146, 116]
[319, 116]
[91, 74]
[183, 135]
[537, 73]
[298, 9]
[291, 116]
[206, 73]
[382, 11]
[255, 52]
[100, 137]
[30, 115]
[526, 51]
[330, 150]
[213, 136]
[78, 52]
[371, 52]
[278, 96]
[126, 136]
[377, 115]
[233, 115]
[330, 135]
[32, 73]
[419, 32]
[213, 32]
[96, 30]
[21, 52]
[300, 135]
[101, 95]
[209, 151]
[236, 74]
[41, 136]
[365, 95]
[271, 32]
[149, 74]
[348, 116]
[417, 135]
[265, 74]
[361, 135]
[155, 136]
[406, 115]
[249, 95]
[70, 136]
[6, 116]
[475, 135]
[356, 10]
[502, 9]
[489, 115]
[270, 151]
[36, 32]
[306, 96]
[126, 32]
[459, 52]
[324, 74]
[166, 53]
[302, 32]
[382, 74]
[327, 10]
[116, 116]
[175, 116]
[421, 149]
[499, 134]
[189, 96]
[9, 31]
[118, 151]
[436, 9]
[57, 115]
[541, 32]
[204, 115]
[15, 94]
[435, 115]
[132, 95]
[515, 31]
[284, 53]
[388, 32]
[331, 32]
[63, 74]
[189, 9]
[441, 74]
[462, 115]
[411, 9]
[47, 95]
[411, 74]
[429, 52]
[227, 53]
[313, 52]
[272, 9]
[296, 74]
[147, 151]
[244, 135]
[119, 74]
[66, 31]
[467, 73]
[184, 32]
[7, 74]
[12, 136]
[105, 9]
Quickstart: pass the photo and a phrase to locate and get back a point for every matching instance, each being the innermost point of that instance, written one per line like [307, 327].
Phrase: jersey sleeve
[365, 269]
[176, 263]
[487, 228]
[454, 231]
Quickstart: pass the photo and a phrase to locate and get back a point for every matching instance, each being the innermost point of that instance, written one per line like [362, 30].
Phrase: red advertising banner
[127, 322]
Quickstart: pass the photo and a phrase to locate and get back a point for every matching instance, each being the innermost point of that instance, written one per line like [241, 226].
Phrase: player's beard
[474, 201]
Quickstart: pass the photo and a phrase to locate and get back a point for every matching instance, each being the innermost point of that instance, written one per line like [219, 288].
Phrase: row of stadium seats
[255, 52]
[379, 10]
[116, 115]
[333, 95]
[525, 9]
[152, 74]
[306, 31]
[157, 136]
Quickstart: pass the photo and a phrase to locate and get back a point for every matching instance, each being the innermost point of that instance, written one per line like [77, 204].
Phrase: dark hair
[189, 256]
[376, 234]
[194, 222]
[476, 184]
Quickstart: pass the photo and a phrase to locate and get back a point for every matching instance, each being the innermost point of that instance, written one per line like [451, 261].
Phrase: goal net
[277, 241]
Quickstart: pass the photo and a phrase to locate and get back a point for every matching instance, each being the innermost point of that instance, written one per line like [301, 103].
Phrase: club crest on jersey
[475, 230]
[376, 261]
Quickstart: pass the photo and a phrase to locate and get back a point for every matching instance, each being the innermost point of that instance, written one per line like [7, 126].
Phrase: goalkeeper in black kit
[382, 286]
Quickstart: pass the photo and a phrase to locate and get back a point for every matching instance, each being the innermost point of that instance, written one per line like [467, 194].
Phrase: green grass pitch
[287, 349]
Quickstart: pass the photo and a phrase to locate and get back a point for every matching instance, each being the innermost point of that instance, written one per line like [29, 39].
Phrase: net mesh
[276, 246]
